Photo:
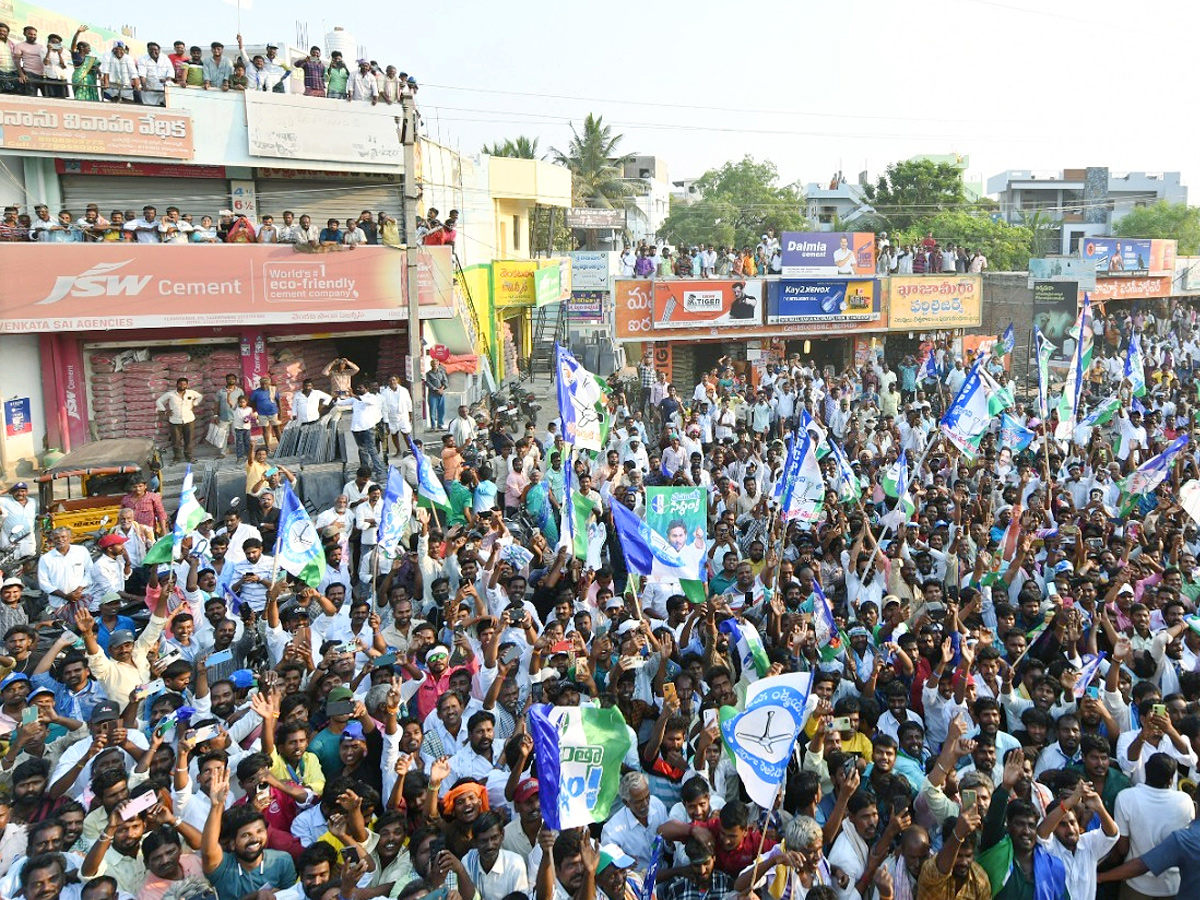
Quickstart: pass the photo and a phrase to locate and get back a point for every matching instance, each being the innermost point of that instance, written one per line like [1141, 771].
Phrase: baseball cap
[105, 711]
[243, 678]
[339, 693]
[13, 679]
[526, 789]
[439, 650]
[19, 486]
[12, 582]
[37, 691]
[353, 731]
[612, 855]
[110, 540]
[119, 637]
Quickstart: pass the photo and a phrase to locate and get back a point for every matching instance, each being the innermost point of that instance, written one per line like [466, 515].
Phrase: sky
[814, 88]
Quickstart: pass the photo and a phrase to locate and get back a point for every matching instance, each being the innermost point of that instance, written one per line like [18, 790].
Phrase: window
[516, 232]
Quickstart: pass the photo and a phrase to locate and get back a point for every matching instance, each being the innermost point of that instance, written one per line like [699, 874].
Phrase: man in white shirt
[252, 576]
[238, 532]
[19, 512]
[462, 427]
[154, 71]
[180, 407]
[635, 826]
[1146, 814]
[1061, 835]
[145, 229]
[397, 410]
[64, 571]
[495, 872]
[1157, 735]
[309, 404]
[366, 412]
[364, 87]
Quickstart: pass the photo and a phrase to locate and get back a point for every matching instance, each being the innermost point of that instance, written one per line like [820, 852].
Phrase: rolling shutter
[198, 196]
[324, 200]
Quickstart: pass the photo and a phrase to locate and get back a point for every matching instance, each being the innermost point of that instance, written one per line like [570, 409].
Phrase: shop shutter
[683, 369]
[198, 196]
[324, 200]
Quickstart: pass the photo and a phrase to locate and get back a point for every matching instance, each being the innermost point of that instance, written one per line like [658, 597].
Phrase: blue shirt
[275, 870]
[104, 634]
[1180, 848]
[485, 496]
[263, 402]
[67, 703]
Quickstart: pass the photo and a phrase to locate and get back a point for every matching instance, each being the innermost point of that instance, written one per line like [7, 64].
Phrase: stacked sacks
[108, 397]
[144, 383]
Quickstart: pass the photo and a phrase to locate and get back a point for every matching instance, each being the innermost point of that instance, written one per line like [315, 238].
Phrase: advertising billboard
[1125, 257]
[587, 306]
[1055, 305]
[1131, 288]
[1063, 268]
[67, 126]
[822, 301]
[824, 254]
[90, 287]
[922, 302]
[708, 303]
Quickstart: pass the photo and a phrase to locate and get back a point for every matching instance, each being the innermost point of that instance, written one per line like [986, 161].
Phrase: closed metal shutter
[198, 196]
[324, 200]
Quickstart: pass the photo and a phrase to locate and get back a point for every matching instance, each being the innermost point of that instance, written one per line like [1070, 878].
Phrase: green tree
[911, 191]
[597, 167]
[739, 202]
[1007, 247]
[1166, 221]
[522, 148]
[1045, 233]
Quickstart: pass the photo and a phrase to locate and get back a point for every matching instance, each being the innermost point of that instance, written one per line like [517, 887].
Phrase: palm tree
[522, 148]
[597, 169]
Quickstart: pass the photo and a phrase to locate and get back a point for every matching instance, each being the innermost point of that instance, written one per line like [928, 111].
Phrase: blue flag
[298, 547]
[647, 552]
[429, 487]
[647, 892]
[579, 751]
[1008, 340]
[234, 602]
[1153, 471]
[763, 737]
[578, 394]
[397, 510]
[1013, 434]
[751, 653]
[1087, 673]
[929, 369]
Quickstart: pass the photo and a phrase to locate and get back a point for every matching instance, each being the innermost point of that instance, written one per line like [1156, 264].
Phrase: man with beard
[1107, 780]
[248, 866]
[495, 872]
[126, 665]
[700, 878]
[520, 835]
[75, 765]
[317, 866]
[447, 736]
[568, 866]
[393, 864]
[953, 874]
[117, 851]
[221, 701]
[476, 760]
[1010, 834]
[291, 762]
[166, 863]
[1061, 835]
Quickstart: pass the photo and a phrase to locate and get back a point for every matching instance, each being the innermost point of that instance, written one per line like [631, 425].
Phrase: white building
[832, 205]
[651, 204]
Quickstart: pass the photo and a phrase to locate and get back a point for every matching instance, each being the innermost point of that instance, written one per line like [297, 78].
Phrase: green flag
[582, 508]
[694, 591]
[161, 552]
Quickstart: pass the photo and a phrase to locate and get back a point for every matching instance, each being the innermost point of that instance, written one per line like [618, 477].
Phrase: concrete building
[651, 204]
[1086, 202]
[830, 206]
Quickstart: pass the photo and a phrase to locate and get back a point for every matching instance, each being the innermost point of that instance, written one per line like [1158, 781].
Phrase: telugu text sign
[921, 302]
[1131, 288]
[587, 217]
[822, 301]
[89, 287]
[824, 254]
[29, 124]
[591, 269]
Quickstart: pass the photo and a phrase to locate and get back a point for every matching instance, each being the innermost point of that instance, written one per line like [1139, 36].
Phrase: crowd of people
[59, 70]
[1007, 704]
[660, 260]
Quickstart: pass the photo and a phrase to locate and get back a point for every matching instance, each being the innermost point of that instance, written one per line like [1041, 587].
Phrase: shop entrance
[826, 352]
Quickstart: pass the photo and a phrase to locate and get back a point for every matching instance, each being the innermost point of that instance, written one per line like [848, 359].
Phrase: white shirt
[154, 73]
[397, 407]
[1146, 815]
[1093, 846]
[235, 553]
[463, 429]
[636, 839]
[1136, 769]
[180, 408]
[307, 407]
[508, 875]
[78, 751]
[19, 521]
[64, 571]
[363, 87]
[367, 411]
[144, 231]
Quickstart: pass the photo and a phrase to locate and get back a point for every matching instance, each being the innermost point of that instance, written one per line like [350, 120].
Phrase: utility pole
[411, 196]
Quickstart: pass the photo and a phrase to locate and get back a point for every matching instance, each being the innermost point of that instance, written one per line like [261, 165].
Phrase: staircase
[549, 328]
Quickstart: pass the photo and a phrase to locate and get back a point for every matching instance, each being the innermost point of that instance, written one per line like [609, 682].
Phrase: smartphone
[899, 805]
[968, 797]
[165, 725]
[388, 659]
[633, 663]
[215, 659]
[1159, 709]
[847, 767]
[1092, 693]
[511, 655]
[139, 804]
[151, 687]
[1095, 543]
[350, 856]
[670, 692]
[436, 846]
[262, 792]
[562, 647]
[29, 715]
[167, 658]
[207, 733]
[346, 648]
[842, 723]
[936, 609]
[710, 718]
[340, 708]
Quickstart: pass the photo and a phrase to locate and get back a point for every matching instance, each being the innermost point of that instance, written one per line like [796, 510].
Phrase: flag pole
[762, 839]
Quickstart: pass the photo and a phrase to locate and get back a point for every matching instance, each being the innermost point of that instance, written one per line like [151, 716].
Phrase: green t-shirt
[461, 500]
[276, 870]
[326, 747]
[337, 78]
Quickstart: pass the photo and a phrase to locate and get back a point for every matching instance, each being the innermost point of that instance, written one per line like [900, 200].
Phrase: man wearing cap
[126, 665]
[76, 762]
[520, 834]
[64, 573]
[110, 568]
[14, 692]
[363, 85]
[19, 512]
[12, 609]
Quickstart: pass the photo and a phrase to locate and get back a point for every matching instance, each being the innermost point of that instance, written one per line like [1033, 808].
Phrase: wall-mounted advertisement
[822, 301]
[827, 254]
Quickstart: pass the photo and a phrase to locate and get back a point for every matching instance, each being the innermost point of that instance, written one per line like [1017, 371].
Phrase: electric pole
[411, 196]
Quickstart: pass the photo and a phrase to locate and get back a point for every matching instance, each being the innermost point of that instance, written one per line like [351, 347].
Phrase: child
[243, 420]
